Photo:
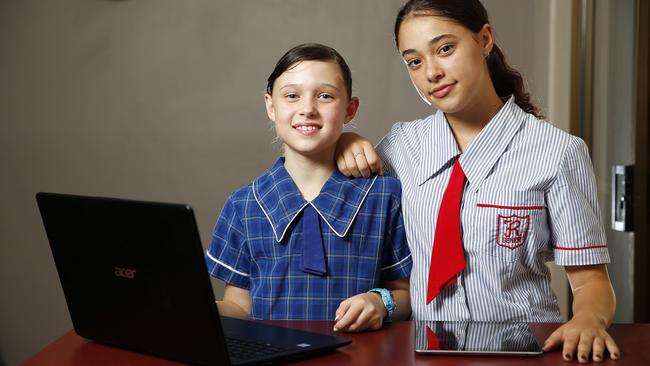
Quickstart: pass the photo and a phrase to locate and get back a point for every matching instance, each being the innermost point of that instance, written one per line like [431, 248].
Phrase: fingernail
[597, 357]
[335, 329]
[567, 357]
[583, 357]
[336, 318]
[615, 355]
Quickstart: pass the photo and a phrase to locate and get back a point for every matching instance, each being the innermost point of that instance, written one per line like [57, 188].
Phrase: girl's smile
[307, 128]
[442, 91]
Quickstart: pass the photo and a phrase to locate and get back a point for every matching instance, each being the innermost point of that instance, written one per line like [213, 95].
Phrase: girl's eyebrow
[431, 42]
[298, 85]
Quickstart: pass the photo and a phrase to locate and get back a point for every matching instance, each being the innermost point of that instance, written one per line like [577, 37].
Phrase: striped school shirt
[529, 198]
[257, 243]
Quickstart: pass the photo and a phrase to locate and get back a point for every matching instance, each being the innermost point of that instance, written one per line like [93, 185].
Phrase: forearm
[402, 304]
[401, 297]
[236, 302]
[595, 296]
[231, 309]
[603, 309]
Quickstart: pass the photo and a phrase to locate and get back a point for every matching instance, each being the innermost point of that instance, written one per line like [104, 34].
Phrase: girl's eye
[414, 63]
[446, 49]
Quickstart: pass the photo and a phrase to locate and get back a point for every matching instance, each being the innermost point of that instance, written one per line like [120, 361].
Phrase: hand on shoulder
[355, 156]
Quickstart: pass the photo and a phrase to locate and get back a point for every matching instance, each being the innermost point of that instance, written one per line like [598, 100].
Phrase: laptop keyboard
[244, 350]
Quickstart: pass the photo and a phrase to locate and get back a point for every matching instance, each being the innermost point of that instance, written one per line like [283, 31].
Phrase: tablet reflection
[488, 337]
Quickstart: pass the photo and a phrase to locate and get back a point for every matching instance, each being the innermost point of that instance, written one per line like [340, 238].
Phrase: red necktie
[447, 258]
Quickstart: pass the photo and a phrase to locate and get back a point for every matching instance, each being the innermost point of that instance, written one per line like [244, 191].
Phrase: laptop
[134, 276]
[475, 338]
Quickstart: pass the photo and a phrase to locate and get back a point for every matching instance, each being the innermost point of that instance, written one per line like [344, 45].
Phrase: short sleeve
[385, 151]
[576, 227]
[227, 257]
[396, 258]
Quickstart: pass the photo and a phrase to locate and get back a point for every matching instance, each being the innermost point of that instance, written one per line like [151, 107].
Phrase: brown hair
[472, 15]
[310, 52]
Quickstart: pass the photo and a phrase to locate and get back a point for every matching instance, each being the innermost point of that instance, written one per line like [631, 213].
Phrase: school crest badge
[512, 230]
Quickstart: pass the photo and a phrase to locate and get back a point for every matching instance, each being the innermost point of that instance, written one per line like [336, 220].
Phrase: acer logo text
[124, 272]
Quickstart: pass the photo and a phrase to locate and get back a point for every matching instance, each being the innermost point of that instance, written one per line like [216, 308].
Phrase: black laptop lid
[120, 260]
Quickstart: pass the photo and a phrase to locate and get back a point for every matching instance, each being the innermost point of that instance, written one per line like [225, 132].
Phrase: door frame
[641, 203]
[581, 124]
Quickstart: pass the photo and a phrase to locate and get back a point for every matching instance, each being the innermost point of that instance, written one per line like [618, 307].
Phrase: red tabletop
[393, 345]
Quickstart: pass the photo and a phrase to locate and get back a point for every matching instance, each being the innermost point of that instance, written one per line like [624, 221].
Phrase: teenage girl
[525, 190]
[303, 241]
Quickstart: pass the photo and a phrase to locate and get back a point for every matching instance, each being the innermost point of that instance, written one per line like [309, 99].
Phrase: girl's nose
[308, 107]
[434, 72]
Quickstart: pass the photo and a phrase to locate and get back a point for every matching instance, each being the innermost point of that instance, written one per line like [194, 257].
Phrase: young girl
[303, 241]
[490, 191]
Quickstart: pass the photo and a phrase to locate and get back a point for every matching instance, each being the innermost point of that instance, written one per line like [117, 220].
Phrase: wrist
[386, 297]
[382, 306]
[602, 320]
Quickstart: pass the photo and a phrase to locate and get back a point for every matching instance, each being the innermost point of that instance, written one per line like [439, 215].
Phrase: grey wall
[162, 100]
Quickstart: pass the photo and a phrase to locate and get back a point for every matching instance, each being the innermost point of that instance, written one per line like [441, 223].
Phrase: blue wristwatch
[387, 298]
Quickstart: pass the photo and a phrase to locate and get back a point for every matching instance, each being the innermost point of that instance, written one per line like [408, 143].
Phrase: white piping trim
[290, 221]
[324, 219]
[225, 265]
[396, 264]
[319, 213]
[353, 216]
[269, 219]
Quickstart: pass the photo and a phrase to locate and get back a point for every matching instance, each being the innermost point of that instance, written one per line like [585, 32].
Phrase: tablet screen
[481, 338]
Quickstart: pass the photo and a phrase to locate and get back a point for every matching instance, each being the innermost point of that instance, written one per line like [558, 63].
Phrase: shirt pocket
[510, 223]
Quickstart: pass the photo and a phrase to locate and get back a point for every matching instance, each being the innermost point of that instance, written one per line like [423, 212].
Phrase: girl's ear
[487, 39]
[351, 109]
[270, 109]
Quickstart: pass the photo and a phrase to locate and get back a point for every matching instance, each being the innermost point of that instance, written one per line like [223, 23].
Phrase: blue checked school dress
[259, 238]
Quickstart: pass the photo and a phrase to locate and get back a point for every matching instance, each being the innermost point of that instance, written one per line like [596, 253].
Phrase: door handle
[622, 190]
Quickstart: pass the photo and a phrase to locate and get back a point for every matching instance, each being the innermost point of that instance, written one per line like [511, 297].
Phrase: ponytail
[507, 81]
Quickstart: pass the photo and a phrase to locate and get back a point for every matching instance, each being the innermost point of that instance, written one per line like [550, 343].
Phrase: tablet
[475, 338]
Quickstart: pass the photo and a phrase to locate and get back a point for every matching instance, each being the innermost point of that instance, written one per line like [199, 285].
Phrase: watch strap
[387, 299]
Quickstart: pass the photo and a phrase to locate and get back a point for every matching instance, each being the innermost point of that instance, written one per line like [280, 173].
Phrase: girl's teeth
[306, 128]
